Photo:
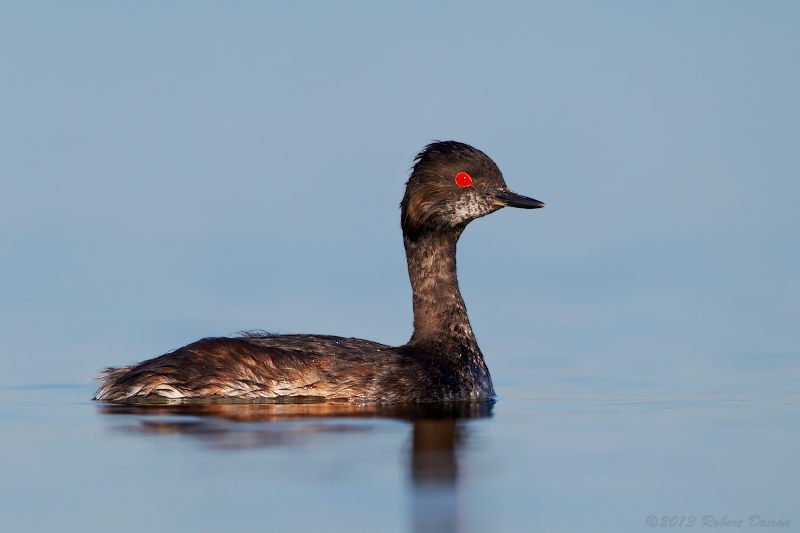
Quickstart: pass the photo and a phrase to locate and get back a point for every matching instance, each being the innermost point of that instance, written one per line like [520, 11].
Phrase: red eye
[463, 179]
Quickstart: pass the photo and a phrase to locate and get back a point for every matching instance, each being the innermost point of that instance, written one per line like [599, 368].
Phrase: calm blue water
[525, 463]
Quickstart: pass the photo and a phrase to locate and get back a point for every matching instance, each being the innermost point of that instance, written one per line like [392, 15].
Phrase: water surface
[524, 463]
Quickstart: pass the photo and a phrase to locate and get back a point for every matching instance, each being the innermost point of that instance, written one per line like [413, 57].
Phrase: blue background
[175, 170]
[186, 169]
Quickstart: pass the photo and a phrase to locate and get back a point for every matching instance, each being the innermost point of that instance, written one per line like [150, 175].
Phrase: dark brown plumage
[442, 360]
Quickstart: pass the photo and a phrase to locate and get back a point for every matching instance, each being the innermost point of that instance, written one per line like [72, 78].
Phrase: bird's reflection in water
[434, 472]
[438, 434]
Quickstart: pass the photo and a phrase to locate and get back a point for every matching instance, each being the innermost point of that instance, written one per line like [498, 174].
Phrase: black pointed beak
[508, 198]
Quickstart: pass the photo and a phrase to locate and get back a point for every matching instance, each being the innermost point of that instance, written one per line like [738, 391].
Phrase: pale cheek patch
[468, 207]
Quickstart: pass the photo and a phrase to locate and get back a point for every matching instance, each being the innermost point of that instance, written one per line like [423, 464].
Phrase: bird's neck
[440, 316]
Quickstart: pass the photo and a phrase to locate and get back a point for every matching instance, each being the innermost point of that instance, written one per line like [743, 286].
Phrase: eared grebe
[451, 185]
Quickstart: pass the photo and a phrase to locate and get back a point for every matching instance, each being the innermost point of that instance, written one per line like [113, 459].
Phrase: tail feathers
[109, 377]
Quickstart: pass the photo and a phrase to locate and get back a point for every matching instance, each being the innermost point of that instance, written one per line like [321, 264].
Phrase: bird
[451, 184]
